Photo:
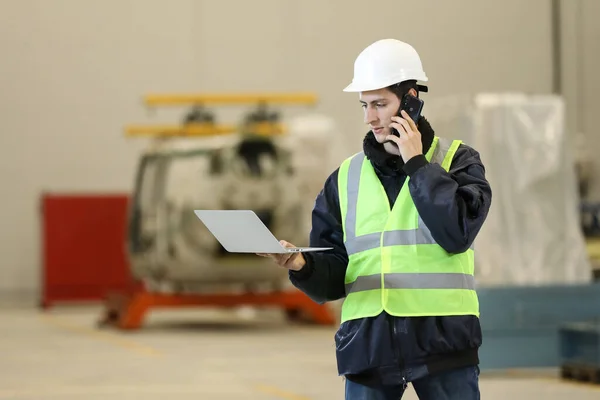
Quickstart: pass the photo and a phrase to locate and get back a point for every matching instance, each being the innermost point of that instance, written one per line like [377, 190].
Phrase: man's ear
[413, 92]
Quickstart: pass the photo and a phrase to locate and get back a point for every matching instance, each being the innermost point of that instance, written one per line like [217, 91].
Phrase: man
[401, 216]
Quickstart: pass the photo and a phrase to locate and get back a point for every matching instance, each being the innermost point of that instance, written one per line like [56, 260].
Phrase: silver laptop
[241, 231]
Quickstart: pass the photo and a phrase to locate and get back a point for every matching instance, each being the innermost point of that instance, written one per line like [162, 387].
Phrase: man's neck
[391, 148]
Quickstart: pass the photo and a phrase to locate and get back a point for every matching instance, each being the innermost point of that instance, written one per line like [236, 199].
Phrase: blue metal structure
[521, 324]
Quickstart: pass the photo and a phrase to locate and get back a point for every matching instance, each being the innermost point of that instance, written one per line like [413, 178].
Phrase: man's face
[379, 107]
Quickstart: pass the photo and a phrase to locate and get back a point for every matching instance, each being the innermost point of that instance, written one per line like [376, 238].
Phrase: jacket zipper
[397, 353]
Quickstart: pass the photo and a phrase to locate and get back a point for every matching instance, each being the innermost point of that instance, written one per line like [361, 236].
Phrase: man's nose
[370, 115]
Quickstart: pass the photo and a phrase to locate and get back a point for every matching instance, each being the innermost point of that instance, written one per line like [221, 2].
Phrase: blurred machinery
[201, 164]
[589, 209]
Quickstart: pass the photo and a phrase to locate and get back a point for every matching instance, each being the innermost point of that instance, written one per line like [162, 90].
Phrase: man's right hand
[291, 261]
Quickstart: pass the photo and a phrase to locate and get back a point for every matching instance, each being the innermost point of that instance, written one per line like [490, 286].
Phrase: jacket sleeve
[453, 204]
[322, 278]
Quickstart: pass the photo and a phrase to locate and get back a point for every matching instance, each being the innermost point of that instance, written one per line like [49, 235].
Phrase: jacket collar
[390, 164]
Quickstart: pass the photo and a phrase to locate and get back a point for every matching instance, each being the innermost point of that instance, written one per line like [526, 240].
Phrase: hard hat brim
[365, 87]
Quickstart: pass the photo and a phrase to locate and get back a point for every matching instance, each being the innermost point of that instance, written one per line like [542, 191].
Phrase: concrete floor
[194, 355]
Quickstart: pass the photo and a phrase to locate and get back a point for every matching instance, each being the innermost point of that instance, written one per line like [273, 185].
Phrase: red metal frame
[127, 309]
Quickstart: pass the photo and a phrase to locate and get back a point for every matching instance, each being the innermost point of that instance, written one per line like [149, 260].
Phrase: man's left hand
[409, 143]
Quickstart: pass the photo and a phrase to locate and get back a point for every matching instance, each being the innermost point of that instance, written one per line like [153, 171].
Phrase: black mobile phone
[413, 107]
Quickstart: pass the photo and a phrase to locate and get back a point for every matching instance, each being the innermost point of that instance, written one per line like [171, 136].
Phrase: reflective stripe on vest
[411, 275]
[412, 281]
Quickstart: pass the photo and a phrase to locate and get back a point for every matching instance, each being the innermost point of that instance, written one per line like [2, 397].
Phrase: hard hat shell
[384, 63]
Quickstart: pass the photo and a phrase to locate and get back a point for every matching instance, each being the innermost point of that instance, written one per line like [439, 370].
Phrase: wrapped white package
[532, 235]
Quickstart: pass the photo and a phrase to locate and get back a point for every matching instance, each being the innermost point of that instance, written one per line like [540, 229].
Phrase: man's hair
[400, 89]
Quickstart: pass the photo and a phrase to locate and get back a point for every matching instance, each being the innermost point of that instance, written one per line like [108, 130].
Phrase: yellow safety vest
[395, 265]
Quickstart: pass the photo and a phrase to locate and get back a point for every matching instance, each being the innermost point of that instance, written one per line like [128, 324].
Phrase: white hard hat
[384, 63]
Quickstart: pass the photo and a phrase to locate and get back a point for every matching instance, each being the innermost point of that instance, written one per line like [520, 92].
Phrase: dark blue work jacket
[386, 349]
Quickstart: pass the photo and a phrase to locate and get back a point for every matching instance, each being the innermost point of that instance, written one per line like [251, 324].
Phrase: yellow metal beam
[230, 99]
[264, 128]
[180, 130]
[198, 129]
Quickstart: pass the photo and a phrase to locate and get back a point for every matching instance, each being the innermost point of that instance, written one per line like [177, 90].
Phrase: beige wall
[72, 74]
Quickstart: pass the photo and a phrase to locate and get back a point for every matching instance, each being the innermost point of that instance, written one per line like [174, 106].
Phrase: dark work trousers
[457, 384]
